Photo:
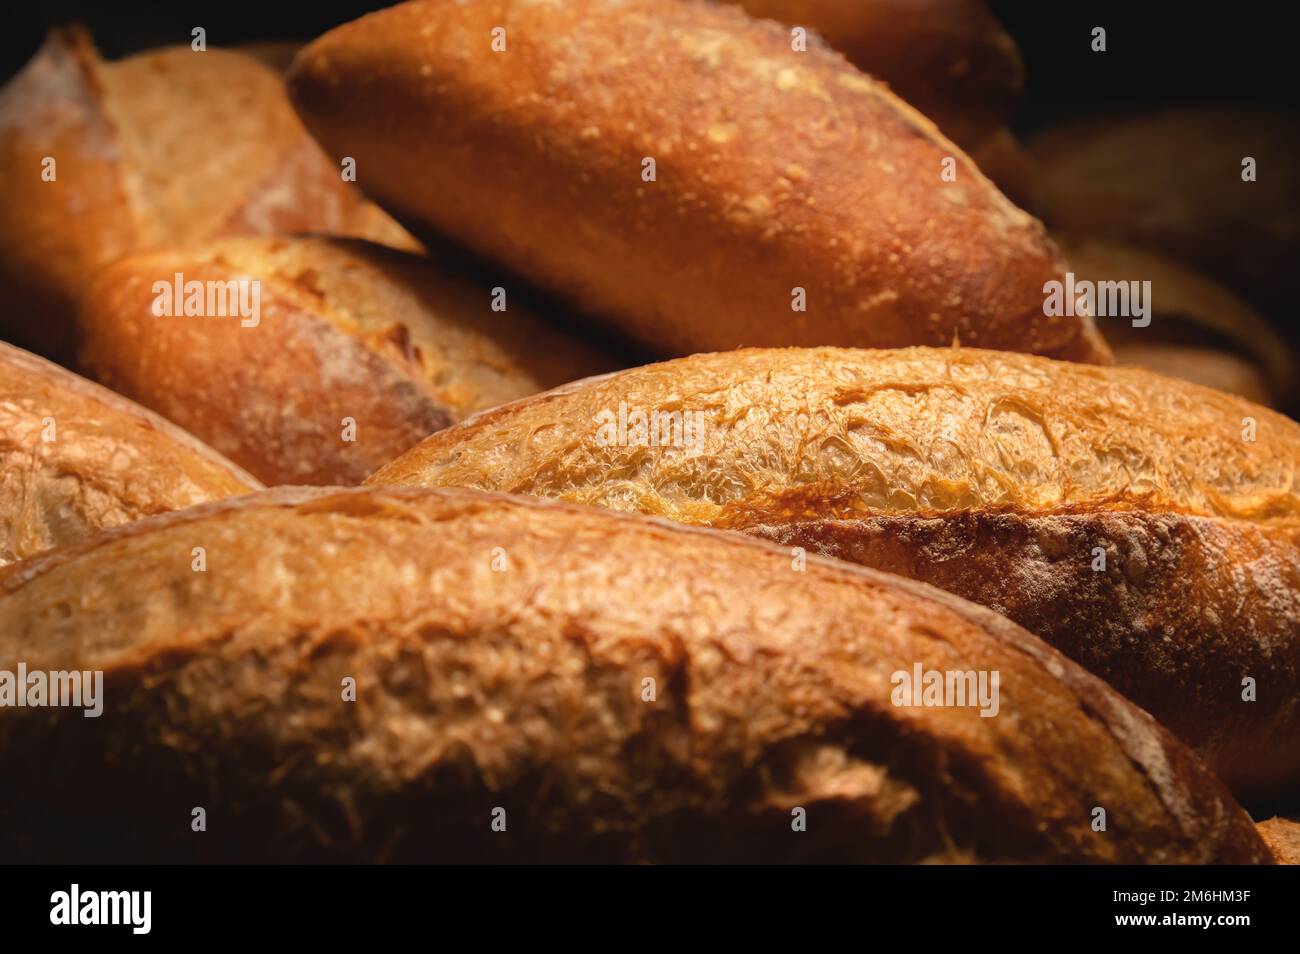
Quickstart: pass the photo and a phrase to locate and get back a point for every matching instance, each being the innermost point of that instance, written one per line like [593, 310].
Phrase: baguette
[1172, 181]
[795, 201]
[999, 477]
[950, 59]
[75, 459]
[620, 689]
[345, 331]
[136, 164]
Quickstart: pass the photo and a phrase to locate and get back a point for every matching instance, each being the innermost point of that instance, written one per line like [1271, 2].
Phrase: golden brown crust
[397, 343]
[1172, 181]
[523, 689]
[1185, 610]
[75, 459]
[775, 170]
[135, 168]
[950, 59]
[53, 109]
[992, 474]
[181, 188]
[1282, 835]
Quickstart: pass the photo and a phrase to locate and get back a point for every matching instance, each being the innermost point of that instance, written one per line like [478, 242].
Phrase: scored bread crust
[135, 168]
[775, 170]
[76, 458]
[397, 343]
[992, 474]
[522, 686]
[53, 109]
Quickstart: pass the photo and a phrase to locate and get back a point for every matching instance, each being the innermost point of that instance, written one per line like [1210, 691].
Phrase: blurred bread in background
[1200, 330]
[1003, 159]
[100, 159]
[1171, 181]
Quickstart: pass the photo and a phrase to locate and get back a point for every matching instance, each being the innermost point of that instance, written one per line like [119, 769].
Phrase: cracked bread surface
[774, 170]
[1005, 478]
[524, 687]
[76, 458]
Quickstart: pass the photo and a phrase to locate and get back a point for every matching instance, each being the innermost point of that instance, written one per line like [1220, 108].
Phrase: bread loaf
[102, 159]
[1147, 527]
[75, 458]
[355, 351]
[1175, 181]
[538, 682]
[950, 59]
[1198, 329]
[678, 170]
[1005, 160]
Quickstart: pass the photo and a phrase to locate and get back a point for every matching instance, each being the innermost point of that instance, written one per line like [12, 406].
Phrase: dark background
[1158, 52]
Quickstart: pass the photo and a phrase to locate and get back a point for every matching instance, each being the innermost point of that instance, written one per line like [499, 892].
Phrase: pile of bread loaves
[889, 562]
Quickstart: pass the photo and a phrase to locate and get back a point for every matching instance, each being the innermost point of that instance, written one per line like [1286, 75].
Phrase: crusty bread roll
[167, 146]
[1172, 181]
[75, 458]
[794, 200]
[950, 59]
[1282, 835]
[1001, 477]
[1199, 329]
[344, 331]
[602, 687]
